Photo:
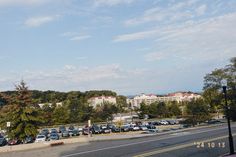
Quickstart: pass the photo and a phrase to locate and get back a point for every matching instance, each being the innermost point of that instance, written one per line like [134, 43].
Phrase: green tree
[213, 88]
[174, 109]
[162, 110]
[60, 115]
[197, 112]
[23, 115]
[143, 110]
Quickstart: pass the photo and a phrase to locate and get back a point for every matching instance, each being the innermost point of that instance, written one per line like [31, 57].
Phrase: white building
[151, 98]
[137, 100]
[50, 104]
[98, 101]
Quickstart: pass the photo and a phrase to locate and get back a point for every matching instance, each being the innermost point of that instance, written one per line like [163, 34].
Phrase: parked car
[95, 129]
[14, 142]
[151, 126]
[65, 134]
[86, 131]
[105, 129]
[164, 122]
[45, 132]
[214, 121]
[3, 141]
[143, 127]
[54, 136]
[115, 129]
[40, 138]
[125, 128]
[134, 128]
[71, 127]
[62, 129]
[74, 132]
[171, 122]
[29, 139]
[53, 130]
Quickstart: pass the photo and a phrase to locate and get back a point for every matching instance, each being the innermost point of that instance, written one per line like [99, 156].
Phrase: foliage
[213, 88]
[22, 114]
[197, 111]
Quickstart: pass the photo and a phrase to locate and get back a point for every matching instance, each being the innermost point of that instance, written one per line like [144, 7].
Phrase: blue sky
[129, 46]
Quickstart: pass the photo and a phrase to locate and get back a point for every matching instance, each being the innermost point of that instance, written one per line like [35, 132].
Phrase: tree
[162, 110]
[23, 115]
[213, 88]
[174, 109]
[143, 110]
[197, 111]
[60, 115]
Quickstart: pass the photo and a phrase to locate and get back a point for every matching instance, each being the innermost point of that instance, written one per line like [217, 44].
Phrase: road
[201, 142]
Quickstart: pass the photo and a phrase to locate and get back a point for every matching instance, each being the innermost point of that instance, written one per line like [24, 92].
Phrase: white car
[164, 122]
[40, 138]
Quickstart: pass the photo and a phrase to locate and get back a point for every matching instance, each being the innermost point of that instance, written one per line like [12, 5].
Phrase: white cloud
[201, 10]
[71, 77]
[38, 21]
[154, 56]
[172, 13]
[81, 37]
[209, 40]
[111, 2]
[69, 67]
[135, 36]
[22, 2]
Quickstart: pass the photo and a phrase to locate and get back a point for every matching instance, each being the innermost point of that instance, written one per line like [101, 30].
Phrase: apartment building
[151, 98]
[98, 101]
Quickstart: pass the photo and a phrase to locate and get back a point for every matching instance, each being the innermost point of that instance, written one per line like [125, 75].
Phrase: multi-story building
[98, 101]
[59, 104]
[151, 98]
[137, 100]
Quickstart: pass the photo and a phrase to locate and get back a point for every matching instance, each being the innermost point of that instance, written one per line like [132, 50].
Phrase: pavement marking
[130, 144]
[180, 133]
[178, 147]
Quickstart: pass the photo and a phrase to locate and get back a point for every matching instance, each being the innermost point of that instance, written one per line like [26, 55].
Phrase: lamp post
[231, 144]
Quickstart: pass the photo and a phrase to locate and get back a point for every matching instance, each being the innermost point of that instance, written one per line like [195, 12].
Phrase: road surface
[201, 142]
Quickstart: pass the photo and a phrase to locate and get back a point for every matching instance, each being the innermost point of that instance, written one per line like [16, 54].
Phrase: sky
[128, 46]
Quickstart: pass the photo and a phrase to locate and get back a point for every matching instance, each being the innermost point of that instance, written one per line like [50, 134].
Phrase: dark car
[115, 129]
[3, 141]
[151, 127]
[95, 129]
[71, 127]
[105, 129]
[14, 142]
[125, 128]
[54, 136]
[213, 121]
[86, 131]
[65, 133]
[62, 129]
[29, 139]
[171, 122]
[45, 132]
[74, 132]
[54, 131]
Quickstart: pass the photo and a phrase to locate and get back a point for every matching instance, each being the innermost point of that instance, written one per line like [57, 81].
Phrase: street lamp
[231, 144]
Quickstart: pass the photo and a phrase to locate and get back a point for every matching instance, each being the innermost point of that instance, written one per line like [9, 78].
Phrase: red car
[14, 142]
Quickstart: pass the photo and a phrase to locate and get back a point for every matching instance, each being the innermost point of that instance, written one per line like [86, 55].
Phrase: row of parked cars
[63, 132]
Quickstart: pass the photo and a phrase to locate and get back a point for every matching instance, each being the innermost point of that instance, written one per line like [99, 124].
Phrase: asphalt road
[198, 143]
[201, 142]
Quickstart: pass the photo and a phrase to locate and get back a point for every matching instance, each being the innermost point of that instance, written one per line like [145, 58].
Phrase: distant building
[151, 98]
[137, 100]
[59, 104]
[98, 101]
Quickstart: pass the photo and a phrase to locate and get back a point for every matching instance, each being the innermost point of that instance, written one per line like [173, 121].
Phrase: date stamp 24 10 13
[209, 144]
